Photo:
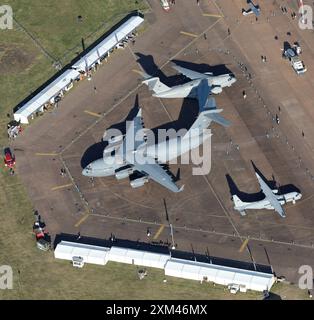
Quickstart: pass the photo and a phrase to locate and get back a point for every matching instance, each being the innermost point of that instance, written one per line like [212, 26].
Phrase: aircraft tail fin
[237, 201]
[239, 205]
[155, 85]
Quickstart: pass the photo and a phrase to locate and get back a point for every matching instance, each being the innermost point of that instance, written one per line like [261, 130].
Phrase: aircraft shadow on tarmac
[216, 70]
[187, 116]
[149, 66]
[252, 197]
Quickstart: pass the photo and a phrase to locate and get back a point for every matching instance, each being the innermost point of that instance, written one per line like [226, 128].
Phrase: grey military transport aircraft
[200, 87]
[133, 156]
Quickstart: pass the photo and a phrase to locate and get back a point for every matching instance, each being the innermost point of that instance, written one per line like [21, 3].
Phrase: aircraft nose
[87, 171]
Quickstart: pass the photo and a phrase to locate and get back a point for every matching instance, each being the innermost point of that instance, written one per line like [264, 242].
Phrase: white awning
[223, 275]
[138, 257]
[84, 63]
[91, 254]
[45, 95]
[107, 44]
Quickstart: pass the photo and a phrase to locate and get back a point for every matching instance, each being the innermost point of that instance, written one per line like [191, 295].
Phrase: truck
[43, 239]
[9, 158]
[292, 55]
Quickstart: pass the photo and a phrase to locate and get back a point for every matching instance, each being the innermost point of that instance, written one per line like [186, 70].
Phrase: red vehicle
[9, 158]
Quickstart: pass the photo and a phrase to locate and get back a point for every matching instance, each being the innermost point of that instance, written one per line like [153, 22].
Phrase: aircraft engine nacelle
[123, 173]
[139, 182]
[216, 90]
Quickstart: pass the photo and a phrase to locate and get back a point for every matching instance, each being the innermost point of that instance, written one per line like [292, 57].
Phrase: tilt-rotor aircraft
[135, 158]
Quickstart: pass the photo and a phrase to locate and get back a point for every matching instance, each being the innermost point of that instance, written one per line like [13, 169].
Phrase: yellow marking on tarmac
[189, 34]
[93, 114]
[61, 187]
[137, 71]
[46, 154]
[244, 244]
[81, 220]
[212, 15]
[159, 231]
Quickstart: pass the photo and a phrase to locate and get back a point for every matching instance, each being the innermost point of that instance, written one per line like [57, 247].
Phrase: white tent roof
[85, 62]
[138, 257]
[193, 270]
[45, 95]
[90, 254]
[108, 43]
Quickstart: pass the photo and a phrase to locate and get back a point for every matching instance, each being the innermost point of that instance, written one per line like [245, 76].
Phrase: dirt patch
[14, 59]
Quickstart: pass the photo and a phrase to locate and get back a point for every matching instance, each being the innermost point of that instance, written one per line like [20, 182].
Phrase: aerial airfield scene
[157, 150]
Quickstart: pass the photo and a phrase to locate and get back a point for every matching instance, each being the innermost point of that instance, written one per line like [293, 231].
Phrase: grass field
[26, 64]
[37, 275]
[23, 67]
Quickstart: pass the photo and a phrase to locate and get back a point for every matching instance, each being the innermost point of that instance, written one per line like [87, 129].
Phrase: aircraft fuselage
[189, 89]
[164, 152]
[265, 204]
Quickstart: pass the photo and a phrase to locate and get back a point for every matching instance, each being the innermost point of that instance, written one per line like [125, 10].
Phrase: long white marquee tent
[91, 254]
[181, 268]
[200, 271]
[64, 81]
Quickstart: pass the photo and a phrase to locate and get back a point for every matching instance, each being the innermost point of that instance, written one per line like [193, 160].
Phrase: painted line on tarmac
[159, 231]
[82, 220]
[61, 187]
[213, 15]
[93, 114]
[138, 71]
[189, 34]
[46, 154]
[244, 244]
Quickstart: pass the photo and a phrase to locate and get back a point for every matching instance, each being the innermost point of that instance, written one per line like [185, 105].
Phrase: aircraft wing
[270, 196]
[134, 136]
[193, 75]
[149, 166]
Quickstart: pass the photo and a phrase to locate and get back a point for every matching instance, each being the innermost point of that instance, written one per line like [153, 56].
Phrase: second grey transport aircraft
[200, 86]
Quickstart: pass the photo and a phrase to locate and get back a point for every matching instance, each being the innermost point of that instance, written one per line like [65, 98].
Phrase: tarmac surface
[202, 216]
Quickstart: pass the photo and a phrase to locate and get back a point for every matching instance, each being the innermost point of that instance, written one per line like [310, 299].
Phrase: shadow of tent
[273, 296]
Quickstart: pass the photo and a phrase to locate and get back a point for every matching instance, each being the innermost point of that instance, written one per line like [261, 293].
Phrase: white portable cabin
[193, 270]
[90, 254]
[138, 257]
